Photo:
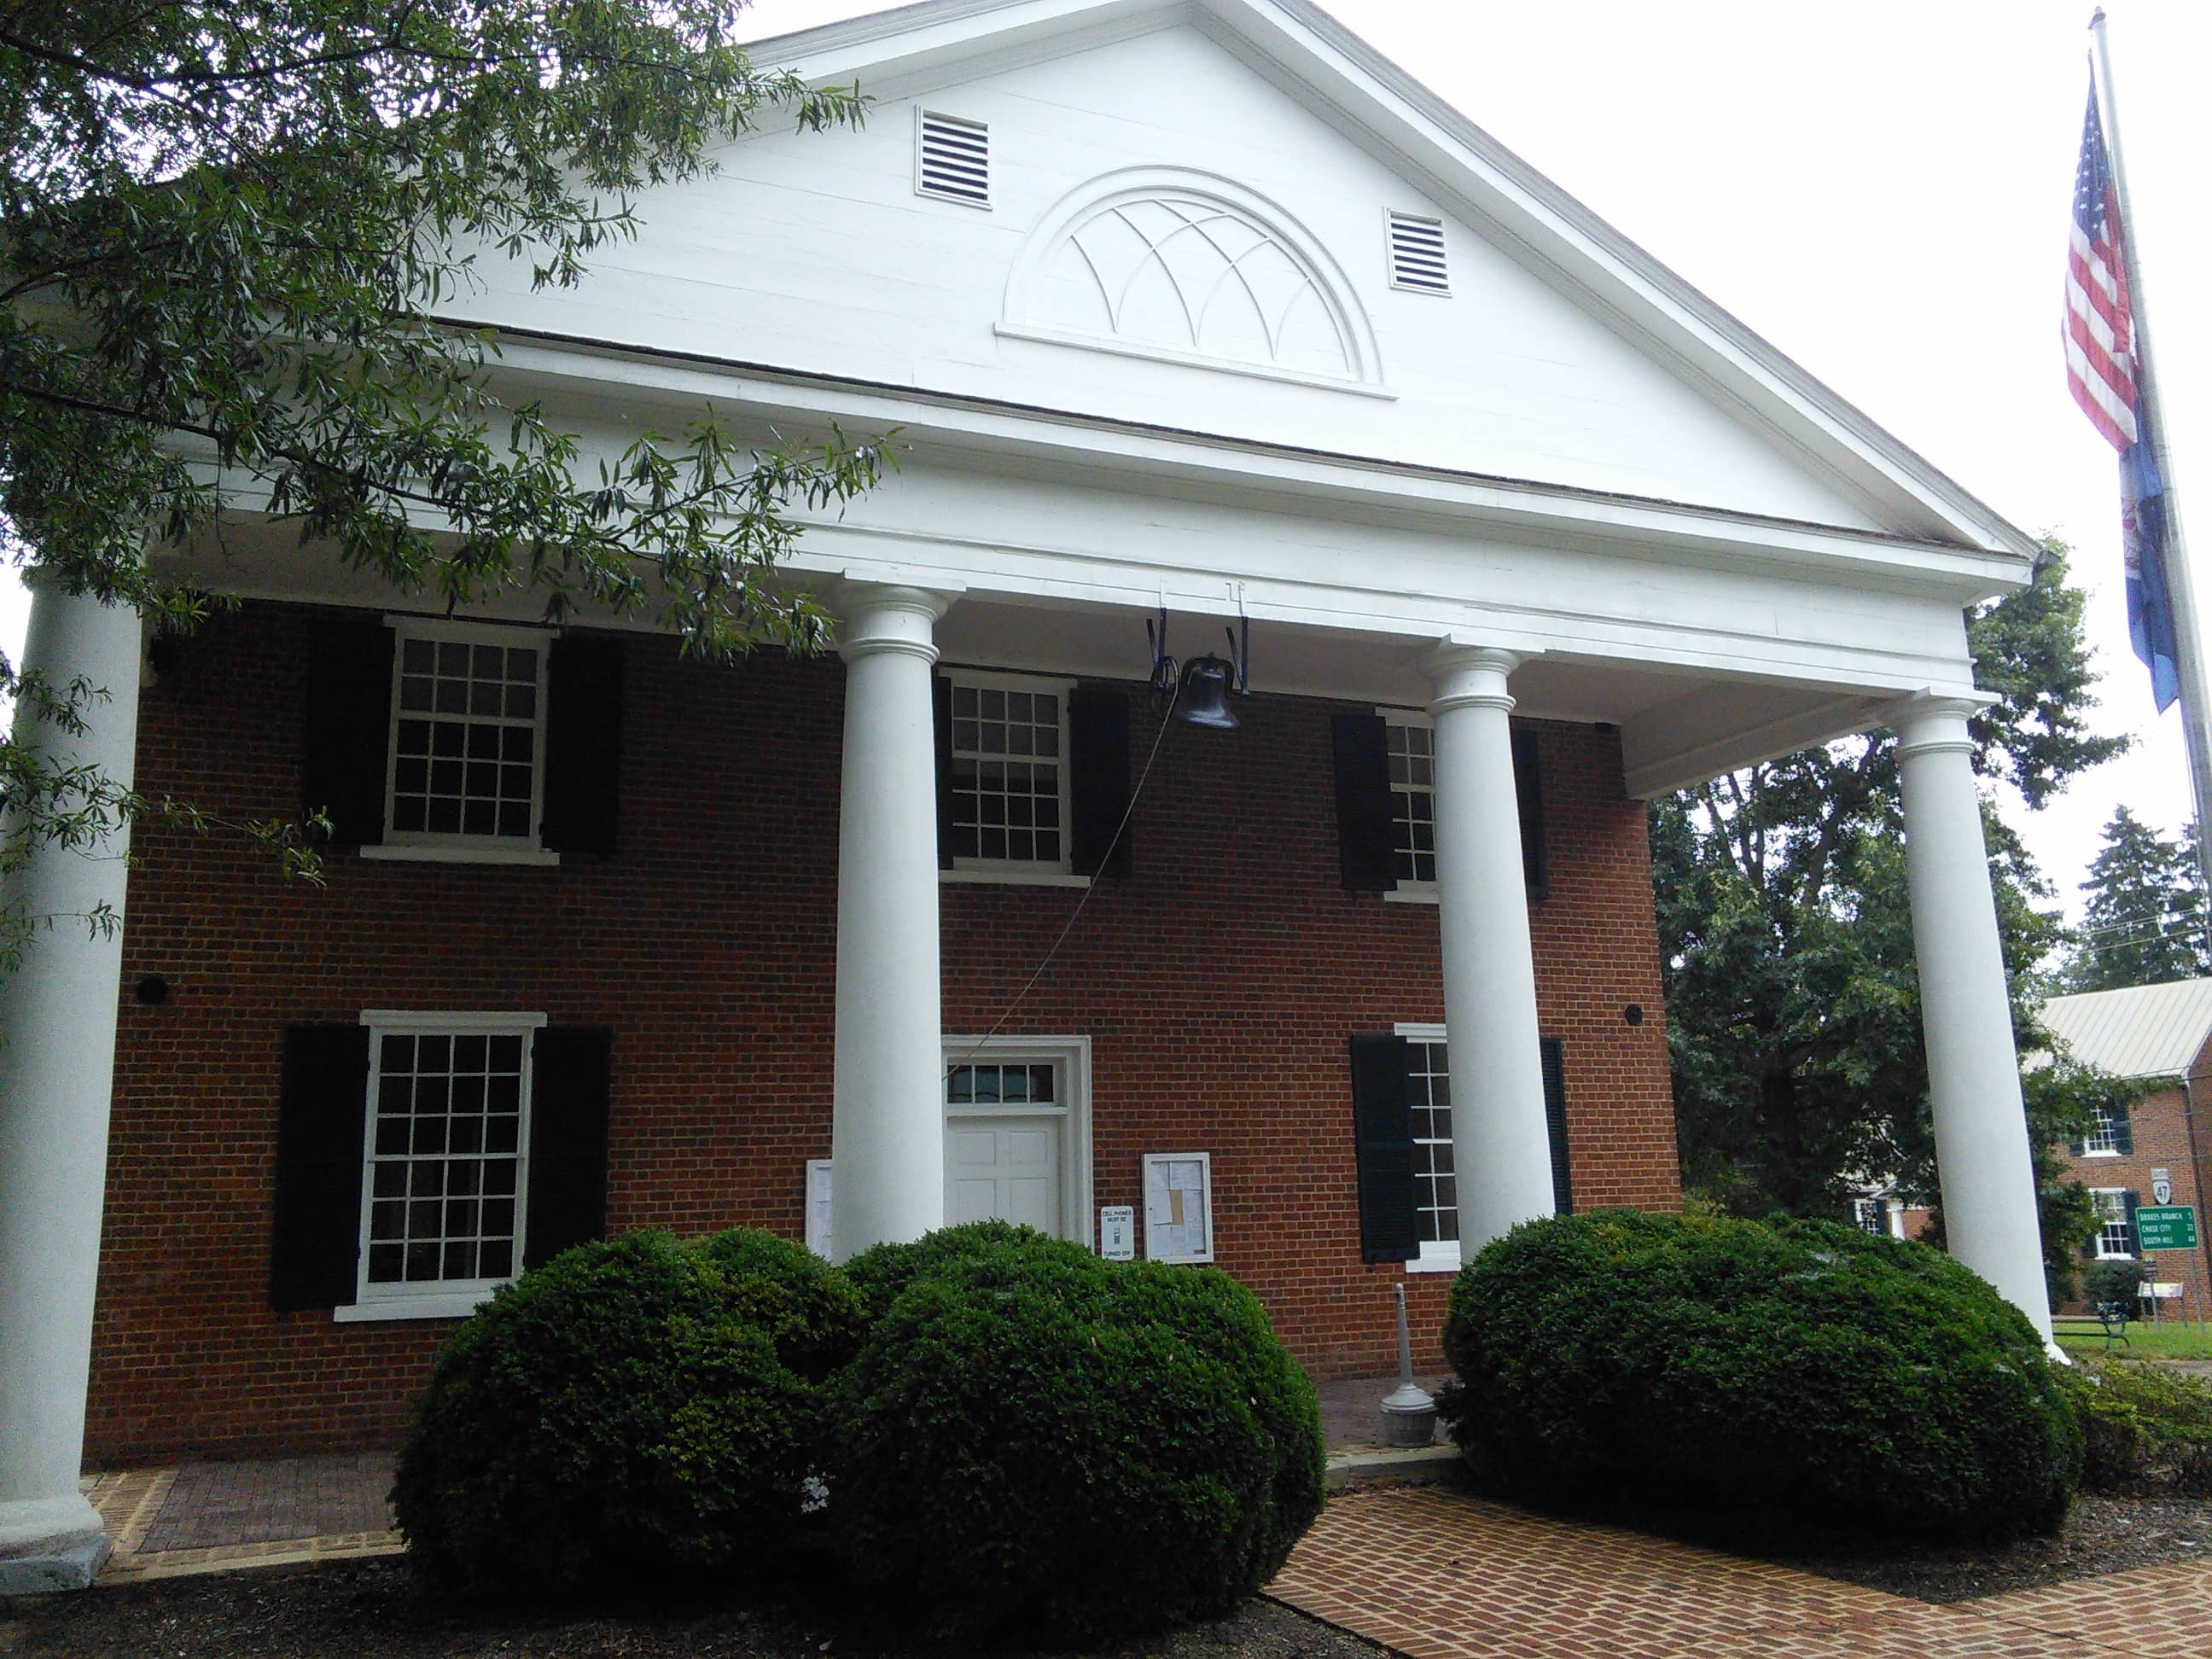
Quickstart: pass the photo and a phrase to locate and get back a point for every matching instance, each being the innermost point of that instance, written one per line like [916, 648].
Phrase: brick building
[1198, 314]
[2161, 1036]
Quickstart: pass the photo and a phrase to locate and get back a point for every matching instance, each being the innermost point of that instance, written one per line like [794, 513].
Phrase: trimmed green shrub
[880, 1273]
[1033, 1437]
[1793, 1375]
[620, 1418]
[2147, 1429]
[812, 1312]
[2113, 1280]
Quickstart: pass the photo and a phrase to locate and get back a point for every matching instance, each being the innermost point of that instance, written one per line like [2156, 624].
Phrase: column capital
[1465, 675]
[877, 616]
[1931, 722]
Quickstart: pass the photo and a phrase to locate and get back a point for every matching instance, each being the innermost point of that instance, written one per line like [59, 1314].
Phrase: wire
[1076, 915]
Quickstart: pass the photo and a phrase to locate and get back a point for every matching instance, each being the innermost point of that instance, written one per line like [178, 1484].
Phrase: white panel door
[1003, 1168]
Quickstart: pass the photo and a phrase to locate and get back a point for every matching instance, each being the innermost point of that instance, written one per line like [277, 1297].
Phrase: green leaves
[227, 232]
[1785, 929]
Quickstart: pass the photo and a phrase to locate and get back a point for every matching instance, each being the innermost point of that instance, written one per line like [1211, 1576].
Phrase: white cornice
[981, 427]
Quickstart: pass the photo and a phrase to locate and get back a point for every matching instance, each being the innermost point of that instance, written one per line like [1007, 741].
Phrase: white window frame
[2114, 1215]
[439, 1298]
[1060, 873]
[2103, 1141]
[1874, 1207]
[457, 846]
[1438, 1255]
[1405, 892]
[1072, 1055]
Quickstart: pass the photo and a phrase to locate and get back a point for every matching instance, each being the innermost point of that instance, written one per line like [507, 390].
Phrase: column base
[51, 1544]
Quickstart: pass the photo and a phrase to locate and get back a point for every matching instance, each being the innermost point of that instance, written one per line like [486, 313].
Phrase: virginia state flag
[2142, 545]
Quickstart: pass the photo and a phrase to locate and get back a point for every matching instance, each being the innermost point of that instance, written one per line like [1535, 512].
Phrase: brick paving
[1438, 1574]
[1432, 1572]
[210, 1518]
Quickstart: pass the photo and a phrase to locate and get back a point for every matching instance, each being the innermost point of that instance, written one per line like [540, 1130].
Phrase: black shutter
[2077, 1148]
[321, 1116]
[1528, 793]
[1099, 781]
[1382, 1134]
[2135, 1238]
[1366, 837]
[349, 727]
[583, 743]
[570, 1073]
[1555, 1122]
[941, 712]
[2123, 1132]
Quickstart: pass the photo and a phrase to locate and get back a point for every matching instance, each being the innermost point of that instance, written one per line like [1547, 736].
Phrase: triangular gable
[911, 56]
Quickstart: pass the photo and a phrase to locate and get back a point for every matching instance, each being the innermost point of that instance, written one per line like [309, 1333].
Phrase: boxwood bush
[1032, 1436]
[880, 1273]
[1795, 1375]
[629, 1413]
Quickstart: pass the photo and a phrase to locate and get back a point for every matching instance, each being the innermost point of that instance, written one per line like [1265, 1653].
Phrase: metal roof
[2144, 1031]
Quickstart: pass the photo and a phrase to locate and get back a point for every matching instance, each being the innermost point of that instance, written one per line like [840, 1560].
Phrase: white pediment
[1189, 267]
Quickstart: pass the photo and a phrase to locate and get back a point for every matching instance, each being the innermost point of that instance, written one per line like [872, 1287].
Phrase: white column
[1974, 1066]
[1500, 1148]
[887, 1141]
[57, 1012]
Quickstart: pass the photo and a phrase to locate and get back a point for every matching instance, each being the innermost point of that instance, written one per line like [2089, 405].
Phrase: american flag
[2100, 369]
[2100, 340]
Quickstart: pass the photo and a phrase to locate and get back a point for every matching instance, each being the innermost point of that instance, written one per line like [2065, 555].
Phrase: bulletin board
[1178, 1206]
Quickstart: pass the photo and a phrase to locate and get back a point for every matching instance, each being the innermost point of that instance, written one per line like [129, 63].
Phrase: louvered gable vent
[1417, 253]
[956, 160]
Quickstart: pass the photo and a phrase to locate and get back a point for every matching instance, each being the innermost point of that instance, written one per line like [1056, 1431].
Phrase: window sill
[1014, 878]
[2108, 1151]
[1410, 892]
[459, 1304]
[1432, 1265]
[389, 852]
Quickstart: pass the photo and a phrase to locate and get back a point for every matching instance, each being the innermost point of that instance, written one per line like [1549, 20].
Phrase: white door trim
[1072, 1055]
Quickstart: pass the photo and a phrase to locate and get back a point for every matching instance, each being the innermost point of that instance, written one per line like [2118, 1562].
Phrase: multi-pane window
[1435, 1188]
[1413, 796]
[467, 753]
[1009, 772]
[2116, 1234]
[447, 1124]
[1001, 1085]
[1871, 1215]
[2104, 1141]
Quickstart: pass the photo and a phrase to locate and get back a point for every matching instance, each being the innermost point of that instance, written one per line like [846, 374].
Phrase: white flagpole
[2188, 646]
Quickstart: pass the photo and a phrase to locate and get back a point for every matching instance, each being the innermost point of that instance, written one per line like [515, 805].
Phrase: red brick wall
[1218, 986]
[2160, 1125]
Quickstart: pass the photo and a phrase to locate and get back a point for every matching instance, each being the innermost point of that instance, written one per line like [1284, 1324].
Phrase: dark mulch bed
[2102, 1535]
[368, 1610]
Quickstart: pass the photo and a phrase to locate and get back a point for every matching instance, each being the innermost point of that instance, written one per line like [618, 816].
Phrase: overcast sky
[1881, 189]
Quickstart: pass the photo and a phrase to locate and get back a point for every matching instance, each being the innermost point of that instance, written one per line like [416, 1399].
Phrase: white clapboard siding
[829, 253]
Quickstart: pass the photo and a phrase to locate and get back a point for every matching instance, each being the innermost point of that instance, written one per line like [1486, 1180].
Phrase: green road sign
[2165, 1227]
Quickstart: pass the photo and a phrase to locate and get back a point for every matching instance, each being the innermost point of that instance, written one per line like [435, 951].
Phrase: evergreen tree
[2145, 920]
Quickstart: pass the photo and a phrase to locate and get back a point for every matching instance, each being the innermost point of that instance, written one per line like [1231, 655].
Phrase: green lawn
[2177, 1339]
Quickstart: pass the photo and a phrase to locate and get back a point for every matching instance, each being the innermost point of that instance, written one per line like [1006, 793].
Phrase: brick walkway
[1441, 1575]
[207, 1517]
